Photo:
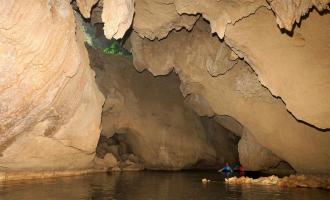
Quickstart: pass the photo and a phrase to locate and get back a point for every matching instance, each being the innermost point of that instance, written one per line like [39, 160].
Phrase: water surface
[149, 186]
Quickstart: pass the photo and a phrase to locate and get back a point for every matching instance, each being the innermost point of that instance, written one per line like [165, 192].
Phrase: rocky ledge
[287, 181]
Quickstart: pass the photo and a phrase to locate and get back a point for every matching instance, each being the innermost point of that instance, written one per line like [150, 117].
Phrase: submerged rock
[271, 180]
[288, 181]
[305, 181]
[108, 162]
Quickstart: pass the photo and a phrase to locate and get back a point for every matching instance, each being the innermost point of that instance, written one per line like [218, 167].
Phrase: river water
[148, 186]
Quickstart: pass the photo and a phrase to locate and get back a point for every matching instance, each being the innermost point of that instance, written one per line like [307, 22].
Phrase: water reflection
[148, 185]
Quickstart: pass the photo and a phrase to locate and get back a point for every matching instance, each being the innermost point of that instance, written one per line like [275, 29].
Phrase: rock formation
[85, 6]
[253, 156]
[291, 11]
[231, 11]
[287, 181]
[155, 19]
[50, 108]
[151, 117]
[276, 60]
[238, 94]
[296, 67]
[117, 17]
[223, 141]
[278, 57]
[274, 55]
[259, 68]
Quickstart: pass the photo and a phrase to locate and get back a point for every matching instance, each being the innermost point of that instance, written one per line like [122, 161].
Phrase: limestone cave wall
[276, 38]
[50, 108]
[237, 93]
[259, 68]
[158, 126]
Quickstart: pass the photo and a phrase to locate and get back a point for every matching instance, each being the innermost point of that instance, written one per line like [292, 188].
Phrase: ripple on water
[149, 185]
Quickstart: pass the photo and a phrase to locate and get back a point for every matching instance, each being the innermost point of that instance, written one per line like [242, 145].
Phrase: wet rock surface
[287, 181]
